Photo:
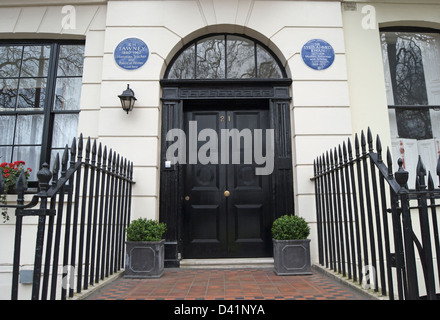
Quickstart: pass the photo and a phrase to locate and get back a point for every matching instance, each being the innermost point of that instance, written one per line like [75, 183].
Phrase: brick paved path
[230, 284]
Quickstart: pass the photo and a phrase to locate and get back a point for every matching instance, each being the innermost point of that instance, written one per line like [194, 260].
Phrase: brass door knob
[187, 198]
[227, 193]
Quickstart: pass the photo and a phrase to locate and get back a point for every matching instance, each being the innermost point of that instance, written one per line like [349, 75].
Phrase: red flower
[11, 171]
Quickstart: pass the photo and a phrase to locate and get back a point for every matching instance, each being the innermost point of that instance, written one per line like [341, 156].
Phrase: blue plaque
[131, 53]
[318, 54]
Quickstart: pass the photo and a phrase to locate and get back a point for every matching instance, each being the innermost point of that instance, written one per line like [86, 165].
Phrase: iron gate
[371, 227]
[84, 206]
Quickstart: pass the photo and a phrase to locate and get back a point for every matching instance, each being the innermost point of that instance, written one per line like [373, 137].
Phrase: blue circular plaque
[131, 53]
[318, 54]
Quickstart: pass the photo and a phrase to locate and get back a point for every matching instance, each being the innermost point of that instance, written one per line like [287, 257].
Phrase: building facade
[293, 78]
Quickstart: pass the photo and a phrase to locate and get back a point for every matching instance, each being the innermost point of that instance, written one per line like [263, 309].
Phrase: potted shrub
[291, 248]
[145, 249]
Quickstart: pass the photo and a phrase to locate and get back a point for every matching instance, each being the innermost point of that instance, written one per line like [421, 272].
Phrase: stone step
[229, 263]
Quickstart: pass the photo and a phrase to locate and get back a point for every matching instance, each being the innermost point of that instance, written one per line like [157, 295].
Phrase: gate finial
[44, 176]
[401, 175]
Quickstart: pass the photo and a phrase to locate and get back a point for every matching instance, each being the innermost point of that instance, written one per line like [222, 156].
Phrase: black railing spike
[327, 160]
[379, 149]
[363, 143]
[349, 149]
[344, 151]
[125, 168]
[99, 153]
[80, 147]
[21, 184]
[389, 164]
[73, 153]
[56, 167]
[331, 159]
[335, 154]
[421, 172]
[73, 150]
[64, 160]
[117, 164]
[57, 163]
[356, 145]
[87, 157]
[113, 161]
[104, 157]
[430, 182]
[109, 158]
[94, 152]
[320, 169]
[320, 165]
[370, 140]
[340, 154]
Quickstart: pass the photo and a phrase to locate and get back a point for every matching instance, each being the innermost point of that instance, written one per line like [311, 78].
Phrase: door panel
[216, 224]
[248, 205]
[204, 219]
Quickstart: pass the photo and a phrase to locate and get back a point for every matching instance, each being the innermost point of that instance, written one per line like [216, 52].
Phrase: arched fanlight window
[225, 56]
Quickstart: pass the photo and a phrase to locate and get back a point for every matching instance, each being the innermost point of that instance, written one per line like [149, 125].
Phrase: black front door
[226, 205]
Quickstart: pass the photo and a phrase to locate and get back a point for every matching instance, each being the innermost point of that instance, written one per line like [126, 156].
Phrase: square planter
[292, 257]
[144, 259]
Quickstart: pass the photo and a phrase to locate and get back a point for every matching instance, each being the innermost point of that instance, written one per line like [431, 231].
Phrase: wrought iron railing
[371, 228]
[84, 206]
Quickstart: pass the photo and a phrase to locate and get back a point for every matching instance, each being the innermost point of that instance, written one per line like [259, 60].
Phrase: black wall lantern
[127, 99]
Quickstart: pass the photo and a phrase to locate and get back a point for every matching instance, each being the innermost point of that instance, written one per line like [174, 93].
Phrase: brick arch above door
[229, 34]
